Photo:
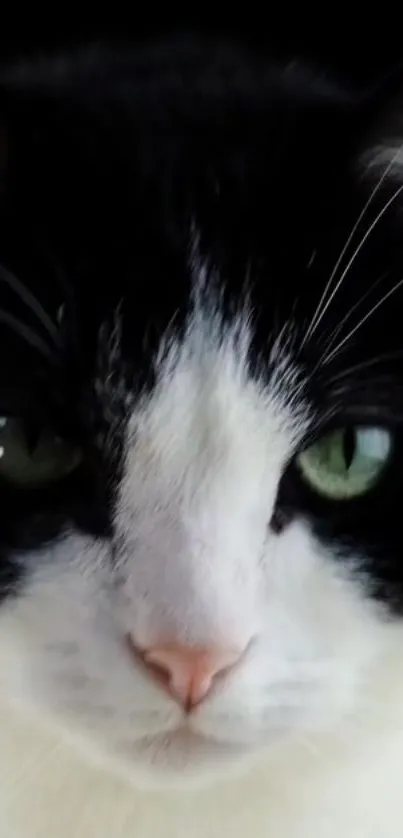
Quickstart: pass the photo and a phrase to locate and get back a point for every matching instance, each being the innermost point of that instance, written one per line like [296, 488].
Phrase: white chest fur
[351, 786]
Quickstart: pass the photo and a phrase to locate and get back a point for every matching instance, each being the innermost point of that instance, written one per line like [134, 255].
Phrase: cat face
[201, 407]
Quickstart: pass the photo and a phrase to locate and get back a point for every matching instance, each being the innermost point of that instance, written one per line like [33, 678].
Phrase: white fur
[315, 703]
[384, 161]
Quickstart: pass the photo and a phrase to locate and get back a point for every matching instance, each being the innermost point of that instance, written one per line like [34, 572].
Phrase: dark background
[345, 40]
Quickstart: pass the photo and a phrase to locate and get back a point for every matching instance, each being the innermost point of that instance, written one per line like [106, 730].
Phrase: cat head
[201, 404]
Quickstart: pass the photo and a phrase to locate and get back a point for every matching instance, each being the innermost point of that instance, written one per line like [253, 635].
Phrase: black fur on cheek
[282, 516]
[11, 575]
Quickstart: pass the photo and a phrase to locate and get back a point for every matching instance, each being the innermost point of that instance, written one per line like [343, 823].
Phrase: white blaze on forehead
[205, 453]
[194, 561]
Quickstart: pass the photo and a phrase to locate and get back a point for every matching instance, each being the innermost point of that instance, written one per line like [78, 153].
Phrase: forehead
[128, 154]
[142, 187]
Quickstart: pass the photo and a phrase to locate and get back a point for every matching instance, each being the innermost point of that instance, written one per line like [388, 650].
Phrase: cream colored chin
[182, 756]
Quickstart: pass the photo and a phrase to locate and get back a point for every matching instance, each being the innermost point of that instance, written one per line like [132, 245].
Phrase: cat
[201, 447]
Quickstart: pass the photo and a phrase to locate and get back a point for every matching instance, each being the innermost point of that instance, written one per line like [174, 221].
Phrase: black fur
[109, 161]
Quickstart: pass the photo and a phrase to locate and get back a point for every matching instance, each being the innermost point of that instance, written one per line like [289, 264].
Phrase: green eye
[49, 459]
[346, 463]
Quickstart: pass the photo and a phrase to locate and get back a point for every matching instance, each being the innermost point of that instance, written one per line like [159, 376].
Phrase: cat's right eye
[25, 465]
[346, 463]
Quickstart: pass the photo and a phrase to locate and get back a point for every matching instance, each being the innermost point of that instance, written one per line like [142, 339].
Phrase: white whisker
[338, 328]
[355, 254]
[27, 334]
[362, 321]
[33, 768]
[29, 299]
[364, 365]
[318, 314]
[312, 748]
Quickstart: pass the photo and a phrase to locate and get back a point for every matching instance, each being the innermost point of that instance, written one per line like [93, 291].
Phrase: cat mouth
[186, 738]
[179, 755]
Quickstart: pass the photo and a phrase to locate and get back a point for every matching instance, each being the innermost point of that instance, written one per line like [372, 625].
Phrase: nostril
[187, 673]
[159, 670]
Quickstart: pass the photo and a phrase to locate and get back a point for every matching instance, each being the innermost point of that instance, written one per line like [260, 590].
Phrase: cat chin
[184, 760]
[176, 759]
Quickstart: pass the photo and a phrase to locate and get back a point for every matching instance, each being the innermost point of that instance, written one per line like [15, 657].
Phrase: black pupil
[32, 435]
[348, 446]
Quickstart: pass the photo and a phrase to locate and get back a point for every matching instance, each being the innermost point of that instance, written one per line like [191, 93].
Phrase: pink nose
[188, 673]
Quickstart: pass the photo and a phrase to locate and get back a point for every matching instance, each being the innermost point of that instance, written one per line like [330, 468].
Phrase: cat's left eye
[48, 459]
[346, 463]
